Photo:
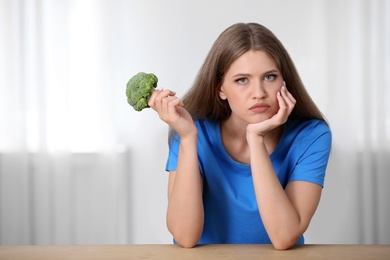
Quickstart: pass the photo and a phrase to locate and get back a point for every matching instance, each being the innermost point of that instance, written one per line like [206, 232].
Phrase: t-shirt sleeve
[174, 144]
[315, 149]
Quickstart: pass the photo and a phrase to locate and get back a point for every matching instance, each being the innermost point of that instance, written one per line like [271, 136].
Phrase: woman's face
[250, 86]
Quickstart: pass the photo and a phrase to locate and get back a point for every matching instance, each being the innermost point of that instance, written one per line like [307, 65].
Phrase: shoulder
[307, 127]
[207, 130]
[300, 123]
[304, 133]
[206, 124]
[309, 151]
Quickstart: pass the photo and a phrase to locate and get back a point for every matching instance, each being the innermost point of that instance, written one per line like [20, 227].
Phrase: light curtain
[67, 171]
[358, 82]
[64, 178]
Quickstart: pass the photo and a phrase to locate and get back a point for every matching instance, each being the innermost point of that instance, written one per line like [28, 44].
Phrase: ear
[221, 93]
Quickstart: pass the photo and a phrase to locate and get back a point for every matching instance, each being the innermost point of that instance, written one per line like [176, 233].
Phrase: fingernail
[284, 83]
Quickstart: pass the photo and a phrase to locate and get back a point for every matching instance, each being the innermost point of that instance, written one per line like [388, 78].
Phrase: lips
[259, 107]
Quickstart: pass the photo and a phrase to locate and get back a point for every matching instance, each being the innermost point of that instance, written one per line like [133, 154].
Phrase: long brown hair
[202, 99]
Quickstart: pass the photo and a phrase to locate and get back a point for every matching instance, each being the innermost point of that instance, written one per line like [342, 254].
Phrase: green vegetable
[139, 89]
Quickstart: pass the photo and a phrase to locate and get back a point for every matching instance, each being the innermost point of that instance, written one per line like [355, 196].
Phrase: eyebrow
[271, 71]
[248, 74]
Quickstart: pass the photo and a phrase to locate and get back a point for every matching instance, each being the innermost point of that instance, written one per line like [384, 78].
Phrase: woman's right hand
[171, 110]
[185, 214]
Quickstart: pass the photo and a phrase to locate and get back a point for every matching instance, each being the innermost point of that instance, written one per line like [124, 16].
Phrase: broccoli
[139, 89]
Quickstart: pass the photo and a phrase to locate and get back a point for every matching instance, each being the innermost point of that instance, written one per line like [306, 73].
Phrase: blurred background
[79, 166]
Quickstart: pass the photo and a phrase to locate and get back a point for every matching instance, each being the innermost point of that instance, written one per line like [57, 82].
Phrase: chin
[258, 119]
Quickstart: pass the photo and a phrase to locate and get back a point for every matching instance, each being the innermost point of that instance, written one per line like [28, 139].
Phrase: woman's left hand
[286, 105]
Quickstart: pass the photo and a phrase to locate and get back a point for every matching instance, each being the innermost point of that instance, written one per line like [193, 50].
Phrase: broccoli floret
[139, 89]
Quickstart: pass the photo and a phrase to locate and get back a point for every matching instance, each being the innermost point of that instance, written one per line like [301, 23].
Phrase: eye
[270, 77]
[242, 80]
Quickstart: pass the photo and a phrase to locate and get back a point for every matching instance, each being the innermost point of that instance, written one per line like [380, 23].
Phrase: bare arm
[286, 214]
[185, 215]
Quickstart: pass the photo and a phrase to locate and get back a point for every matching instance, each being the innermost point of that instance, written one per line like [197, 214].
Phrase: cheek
[233, 102]
[273, 94]
[275, 102]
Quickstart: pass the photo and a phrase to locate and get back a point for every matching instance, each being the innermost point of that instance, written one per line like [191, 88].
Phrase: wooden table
[371, 252]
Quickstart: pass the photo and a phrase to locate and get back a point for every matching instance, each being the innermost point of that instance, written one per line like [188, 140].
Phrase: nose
[258, 91]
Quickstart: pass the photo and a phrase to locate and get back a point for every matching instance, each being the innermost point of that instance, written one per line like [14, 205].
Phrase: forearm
[185, 206]
[279, 216]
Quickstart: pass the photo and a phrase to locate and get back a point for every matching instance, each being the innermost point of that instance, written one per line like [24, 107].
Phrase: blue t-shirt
[231, 215]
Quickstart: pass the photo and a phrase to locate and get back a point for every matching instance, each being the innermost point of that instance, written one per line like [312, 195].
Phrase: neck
[237, 130]
[234, 140]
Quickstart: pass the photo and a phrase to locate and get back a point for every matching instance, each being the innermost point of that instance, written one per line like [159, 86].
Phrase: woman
[249, 148]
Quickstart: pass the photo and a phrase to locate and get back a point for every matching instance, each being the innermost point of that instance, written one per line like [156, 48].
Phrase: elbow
[284, 243]
[186, 234]
[187, 243]
[286, 238]
[185, 239]
[282, 246]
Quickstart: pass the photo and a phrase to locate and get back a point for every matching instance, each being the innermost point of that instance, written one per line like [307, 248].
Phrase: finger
[172, 104]
[281, 100]
[288, 94]
[159, 97]
[169, 103]
[284, 109]
[152, 98]
[168, 92]
[167, 110]
[165, 101]
[161, 106]
[161, 103]
[288, 98]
